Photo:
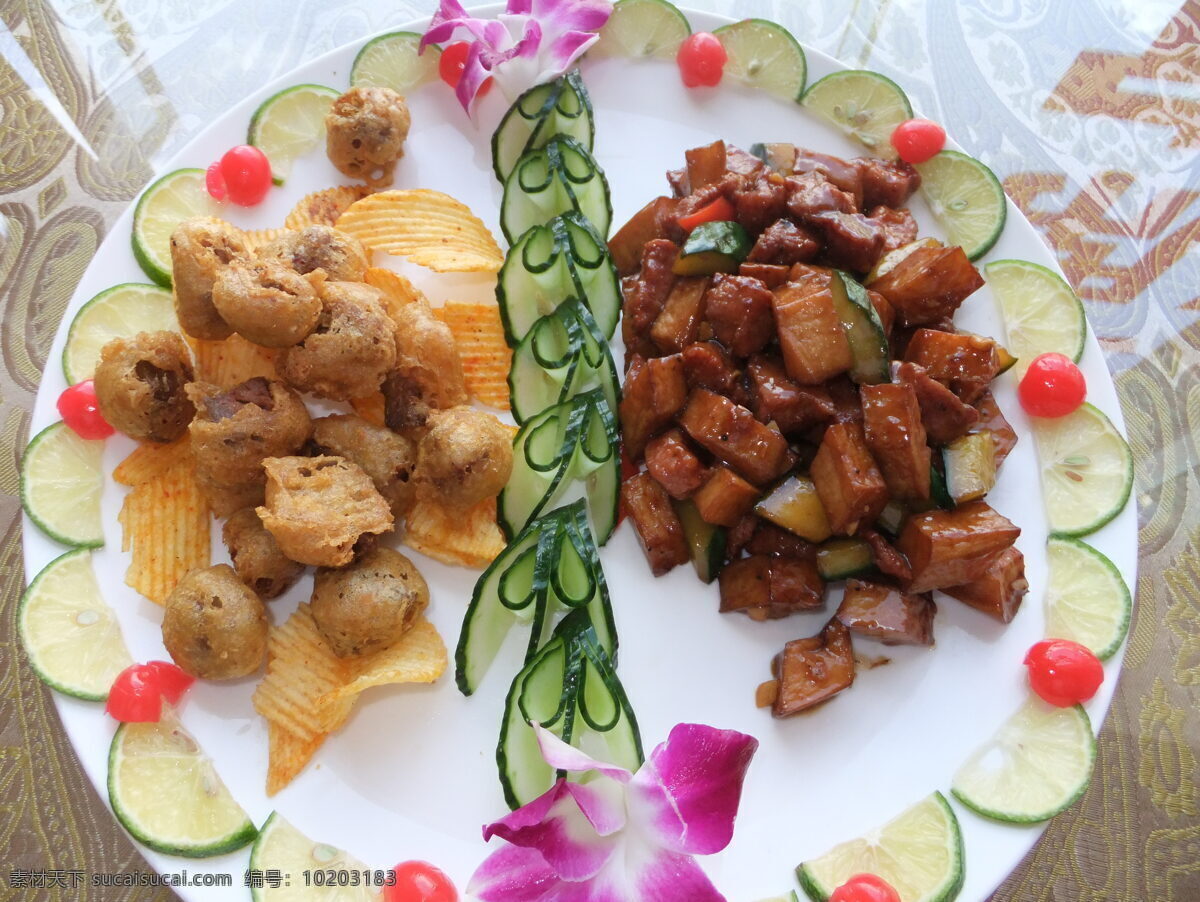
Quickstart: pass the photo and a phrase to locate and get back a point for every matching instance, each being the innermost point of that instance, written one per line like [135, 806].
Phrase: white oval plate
[413, 774]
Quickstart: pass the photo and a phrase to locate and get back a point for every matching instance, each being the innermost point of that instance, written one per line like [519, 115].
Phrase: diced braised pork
[785, 243]
[888, 560]
[848, 482]
[965, 364]
[929, 284]
[814, 344]
[739, 310]
[767, 588]
[999, 591]
[896, 438]
[899, 227]
[1004, 437]
[731, 434]
[886, 183]
[950, 548]
[677, 324]
[852, 240]
[674, 465]
[776, 398]
[812, 193]
[770, 274]
[883, 612]
[657, 524]
[813, 670]
[654, 392]
[725, 497]
[760, 203]
[708, 365]
[844, 174]
[945, 417]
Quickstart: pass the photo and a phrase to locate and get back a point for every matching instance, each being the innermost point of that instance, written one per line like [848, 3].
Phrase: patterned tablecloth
[1089, 110]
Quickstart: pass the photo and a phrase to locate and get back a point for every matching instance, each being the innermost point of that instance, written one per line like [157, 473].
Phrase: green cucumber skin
[515, 120]
[870, 350]
[596, 201]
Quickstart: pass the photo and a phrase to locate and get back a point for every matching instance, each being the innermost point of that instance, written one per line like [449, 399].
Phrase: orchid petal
[513, 874]
[571, 15]
[449, 17]
[668, 877]
[688, 790]
[562, 756]
[602, 802]
[566, 49]
[474, 74]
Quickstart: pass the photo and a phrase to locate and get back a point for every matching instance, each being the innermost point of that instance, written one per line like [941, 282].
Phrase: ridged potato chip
[232, 361]
[486, 356]
[260, 237]
[165, 524]
[287, 754]
[470, 539]
[324, 207]
[150, 460]
[398, 292]
[428, 227]
[419, 657]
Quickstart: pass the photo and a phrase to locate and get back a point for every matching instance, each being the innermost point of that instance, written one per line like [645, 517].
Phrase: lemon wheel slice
[281, 847]
[289, 124]
[764, 55]
[865, 105]
[118, 312]
[643, 28]
[1041, 313]
[1087, 600]
[61, 483]
[177, 196]
[966, 198]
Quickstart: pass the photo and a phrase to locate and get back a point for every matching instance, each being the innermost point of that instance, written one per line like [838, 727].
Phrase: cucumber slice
[165, 792]
[966, 198]
[970, 463]
[865, 105]
[919, 852]
[641, 28]
[281, 847]
[764, 55]
[779, 156]
[1087, 600]
[118, 312]
[560, 177]
[706, 541]
[843, 558]
[69, 634]
[177, 196]
[561, 107]
[391, 61]
[562, 356]
[61, 482]
[1087, 470]
[1041, 312]
[795, 505]
[289, 124]
[864, 330]
[713, 247]
[1037, 765]
[550, 263]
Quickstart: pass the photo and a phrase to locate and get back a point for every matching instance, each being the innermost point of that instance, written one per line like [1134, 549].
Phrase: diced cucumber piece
[970, 463]
[864, 330]
[842, 558]
[796, 506]
[778, 156]
[892, 259]
[560, 177]
[891, 518]
[706, 541]
[713, 247]
[938, 491]
[560, 107]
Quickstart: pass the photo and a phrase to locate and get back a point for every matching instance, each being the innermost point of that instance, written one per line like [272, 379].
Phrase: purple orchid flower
[622, 837]
[534, 41]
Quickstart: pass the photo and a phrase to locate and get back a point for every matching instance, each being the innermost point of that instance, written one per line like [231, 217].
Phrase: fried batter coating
[200, 248]
[365, 131]
[256, 555]
[342, 257]
[140, 385]
[465, 457]
[267, 303]
[369, 604]
[214, 627]
[428, 374]
[385, 456]
[318, 507]
[350, 350]
[233, 432]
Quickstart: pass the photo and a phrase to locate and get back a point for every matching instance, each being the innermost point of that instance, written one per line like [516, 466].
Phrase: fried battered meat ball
[201, 248]
[233, 432]
[214, 627]
[365, 132]
[350, 350]
[341, 256]
[386, 457]
[140, 385]
[319, 507]
[267, 303]
[370, 604]
[428, 374]
[256, 555]
[465, 457]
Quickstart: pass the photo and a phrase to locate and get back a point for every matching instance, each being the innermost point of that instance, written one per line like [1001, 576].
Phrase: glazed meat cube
[847, 403]
[887, 559]
[794, 408]
[769, 539]
[950, 548]
[965, 364]
[739, 162]
[944, 415]
[656, 523]
[899, 227]
[732, 434]
[814, 344]
[881, 611]
[1004, 437]
[645, 225]
[852, 241]
[646, 293]
[929, 284]
[768, 588]
[999, 591]
[761, 203]
[812, 193]
[679, 320]
[708, 365]
[705, 165]
[725, 497]
[653, 393]
[896, 438]
[813, 670]
[885, 182]
[770, 274]
[844, 174]
[848, 482]
[785, 243]
[739, 310]
[674, 465]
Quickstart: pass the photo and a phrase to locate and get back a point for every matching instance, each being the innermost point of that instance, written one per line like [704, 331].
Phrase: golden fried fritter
[214, 627]
[201, 247]
[369, 604]
[342, 257]
[428, 374]
[465, 457]
[140, 385]
[365, 131]
[267, 303]
[385, 456]
[256, 555]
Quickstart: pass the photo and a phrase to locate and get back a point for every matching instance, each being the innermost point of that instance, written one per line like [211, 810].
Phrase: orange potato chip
[232, 361]
[287, 754]
[428, 227]
[419, 657]
[398, 292]
[324, 207]
[165, 524]
[486, 356]
[370, 408]
[260, 237]
[150, 460]
[470, 539]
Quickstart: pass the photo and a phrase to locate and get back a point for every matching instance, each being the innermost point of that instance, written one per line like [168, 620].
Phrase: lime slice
[289, 125]
[70, 635]
[391, 61]
[1087, 470]
[177, 196]
[164, 791]
[118, 312]
[61, 481]
[764, 55]
[1087, 601]
[640, 28]
[1041, 312]
[281, 847]
[966, 198]
[865, 105]
[919, 853]
[1037, 765]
